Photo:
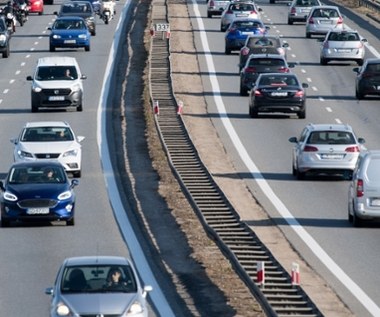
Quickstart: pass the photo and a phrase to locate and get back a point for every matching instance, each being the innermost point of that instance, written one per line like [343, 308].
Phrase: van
[57, 83]
[364, 189]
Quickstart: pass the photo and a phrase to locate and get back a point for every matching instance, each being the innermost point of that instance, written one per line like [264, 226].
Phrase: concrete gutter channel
[277, 296]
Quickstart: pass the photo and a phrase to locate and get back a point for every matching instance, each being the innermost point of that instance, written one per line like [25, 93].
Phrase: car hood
[47, 147]
[56, 84]
[100, 303]
[76, 14]
[42, 190]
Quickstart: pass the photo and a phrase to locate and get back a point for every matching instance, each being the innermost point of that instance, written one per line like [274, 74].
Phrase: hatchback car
[49, 140]
[238, 10]
[345, 45]
[84, 286]
[238, 31]
[322, 19]
[300, 9]
[4, 38]
[216, 7]
[326, 149]
[36, 6]
[364, 189]
[37, 191]
[261, 63]
[275, 92]
[57, 83]
[261, 44]
[81, 9]
[367, 80]
[69, 32]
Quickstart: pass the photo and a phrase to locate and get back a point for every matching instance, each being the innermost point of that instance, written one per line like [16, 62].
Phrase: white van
[57, 83]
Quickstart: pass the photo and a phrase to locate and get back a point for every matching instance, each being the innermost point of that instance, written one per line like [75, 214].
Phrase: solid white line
[136, 253]
[356, 291]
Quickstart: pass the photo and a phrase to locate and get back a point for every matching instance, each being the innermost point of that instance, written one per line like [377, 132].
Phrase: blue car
[239, 30]
[69, 32]
[37, 191]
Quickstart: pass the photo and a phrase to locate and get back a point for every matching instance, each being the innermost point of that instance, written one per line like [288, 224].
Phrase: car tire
[6, 52]
[300, 176]
[323, 61]
[308, 35]
[222, 29]
[272, 1]
[87, 48]
[5, 223]
[243, 91]
[209, 15]
[301, 114]
[359, 95]
[356, 221]
[290, 22]
[77, 174]
[52, 48]
[93, 33]
[70, 222]
[34, 106]
[360, 62]
[80, 108]
[227, 51]
[40, 13]
[253, 113]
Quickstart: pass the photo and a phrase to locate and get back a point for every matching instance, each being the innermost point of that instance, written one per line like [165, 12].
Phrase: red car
[36, 6]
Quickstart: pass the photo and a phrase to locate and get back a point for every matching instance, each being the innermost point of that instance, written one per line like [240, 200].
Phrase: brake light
[293, 10]
[229, 12]
[359, 188]
[232, 31]
[283, 69]
[253, 12]
[311, 21]
[352, 149]
[309, 148]
[299, 93]
[212, 3]
[245, 51]
[340, 20]
[258, 93]
[250, 69]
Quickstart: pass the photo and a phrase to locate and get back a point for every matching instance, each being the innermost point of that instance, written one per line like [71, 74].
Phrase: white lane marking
[32, 49]
[23, 64]
[11, 81]
[308, 79]
[1, 100]
[5, 91]
[314, 88]
[27, 56]
[339, 122]
[18, 72]
[321, 99]
[136, 253]
[303, 70]
[351, 286]
[36, 43]
[328, 109]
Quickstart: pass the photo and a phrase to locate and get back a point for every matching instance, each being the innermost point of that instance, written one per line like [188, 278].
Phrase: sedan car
[322, 19]
[49, 140]
[345, 45]
[238, 10]
[69, 32]
[81, 9]
[216, 7]
[364, 189]
[367, 80]
[36, 6]
[300, 9]
[261, 44]
[37, 191]
[82, 288]
[261, 63]
[4, 38]
[275, 92]
[238, 31]
[326, 149]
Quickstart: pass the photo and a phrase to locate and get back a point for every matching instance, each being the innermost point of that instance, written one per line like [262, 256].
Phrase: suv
[300, 9]
[4, 38]
[326, 149]
[368, 78]
[57, 83]
[81, 9]
[261, 63]
[364, 189]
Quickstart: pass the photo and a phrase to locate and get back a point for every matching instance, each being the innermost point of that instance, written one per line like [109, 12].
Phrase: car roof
[46, 124]
[38, 164]
[96, 259]
[57, 61]
[333, 127]
[69, 17]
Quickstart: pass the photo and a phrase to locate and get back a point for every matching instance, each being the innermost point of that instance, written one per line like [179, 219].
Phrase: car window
[331, 137]
[247, 24]
[373, 68]
[2, 26]
[266, 62]
[344, 36]
[56, 73]
[30, 175]
[47, 134]
[278, 81]
[242, 7]
[373, 169]
[69, 25]
[307, 3]
[325, 13]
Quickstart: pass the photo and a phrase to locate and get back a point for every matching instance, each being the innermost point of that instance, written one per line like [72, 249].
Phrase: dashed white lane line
[328, 109]
[5, 91]
[337, 120]
[11, 81]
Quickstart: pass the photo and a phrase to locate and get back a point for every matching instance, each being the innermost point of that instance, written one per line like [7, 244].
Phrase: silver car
[216, 7]
[238, 10]
[364, 189]
[326, 149]
[322, 19]
[300, 9]
[98, 286]
[345, 45]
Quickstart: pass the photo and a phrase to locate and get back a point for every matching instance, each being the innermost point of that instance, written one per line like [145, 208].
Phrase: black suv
[368, 78]
[261, 63]
[4, 38]
[81, 9]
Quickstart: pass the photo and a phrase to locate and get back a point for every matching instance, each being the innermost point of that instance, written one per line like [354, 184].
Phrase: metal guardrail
[373, 5]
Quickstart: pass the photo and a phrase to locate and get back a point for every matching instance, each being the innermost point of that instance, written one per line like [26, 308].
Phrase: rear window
[264, 42]
[373, 68]
[325, 13]
[307, 3]
[278, 81]
[266, 62]
[242, 7]
[247, 24]
[331, 137]
[346, 36]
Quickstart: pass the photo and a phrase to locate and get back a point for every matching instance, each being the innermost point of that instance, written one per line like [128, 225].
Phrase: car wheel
[360, 62]
[87, 48]
[209, 15]
[272, 1]
[227, 51]
[77, 174]
[5, 223]
[34, 106]
[294, 171]
[243, 91]
[253, 113]
[308, 35]
[300, 175]
[356, 221]
[80, 108]
[93, 33]
[6, 52]
[302, 114]
[52, 48]
[70, 222]
[323, 61]
[290, 22]
[359, 95]
[222, 29]
[40, 13]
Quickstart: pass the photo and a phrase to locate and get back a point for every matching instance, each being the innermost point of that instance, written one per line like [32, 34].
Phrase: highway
[311, 213]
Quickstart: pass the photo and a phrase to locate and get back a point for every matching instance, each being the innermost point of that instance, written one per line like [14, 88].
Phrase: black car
[37, 191]
[368, 78]
[276, 92]
[261, 63]
[81, 9]
[4, 38]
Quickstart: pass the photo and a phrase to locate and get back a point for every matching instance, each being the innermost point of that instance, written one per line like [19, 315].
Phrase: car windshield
[47, 134]
[98, 279]
[56, 73]
[41, 174]
[69, 25]
[331, 137]
[343, 36]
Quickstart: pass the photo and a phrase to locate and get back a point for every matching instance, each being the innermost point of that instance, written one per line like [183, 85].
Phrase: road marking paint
[314, 88]
[321, 99]
[23, 64]
[35, 43]
[27, 56]
[338, 121]
[5, 91]
[11, 81]
[17, 72]
[303, 70]
[328, 109]
[308, 79]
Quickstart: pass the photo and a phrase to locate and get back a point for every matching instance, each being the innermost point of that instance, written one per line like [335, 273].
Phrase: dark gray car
[4, 38]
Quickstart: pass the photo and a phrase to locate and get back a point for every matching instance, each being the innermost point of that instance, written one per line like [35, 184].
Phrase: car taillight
[232, 30]
[309, 148]
[245, 51]
[229, 12]
[359, 188]
[340, 20]
[311, 21]
[250, 69]
[352, 149]
[299, 93]
[212, 3]
[253, 12]
[293, 10]
[258, 93]
[283, 69]
[367, 74]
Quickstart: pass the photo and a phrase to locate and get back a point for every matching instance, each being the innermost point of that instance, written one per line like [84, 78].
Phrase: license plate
[37, 211]
[279, 94]
[241, 15]
[375, 202]
[325, 22]
[56, 98]
[332, 156]
[342, 50]
[70, 41]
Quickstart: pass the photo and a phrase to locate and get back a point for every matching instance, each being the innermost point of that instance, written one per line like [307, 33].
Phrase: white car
[322, 19]
[236, 10]
[49, 140]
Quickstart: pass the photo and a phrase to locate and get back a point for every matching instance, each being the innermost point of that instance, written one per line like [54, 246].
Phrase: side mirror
[80, 138]
[293, 139]
[267, 28]
[2, 185]
[291, 65]
[49, 291]
[83, 77]
[55, 13]
[29, 78]
[356, 69]
[305, 85]
[13, 140]
[74, 182]
[285, 44]
[361, 140]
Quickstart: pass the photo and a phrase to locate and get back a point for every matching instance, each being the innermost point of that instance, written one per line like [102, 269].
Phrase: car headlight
[70, 153]
[56, 36]
[135, 308]
[76, 88]
[37, 89]
[82, 36]
[9, 196]
[3, 38]
[23, 154]
[63, 310]
[65, 195]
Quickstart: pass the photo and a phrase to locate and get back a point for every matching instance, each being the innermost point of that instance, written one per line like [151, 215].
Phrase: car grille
[37, 203]
[53, 92]
[47, 155]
